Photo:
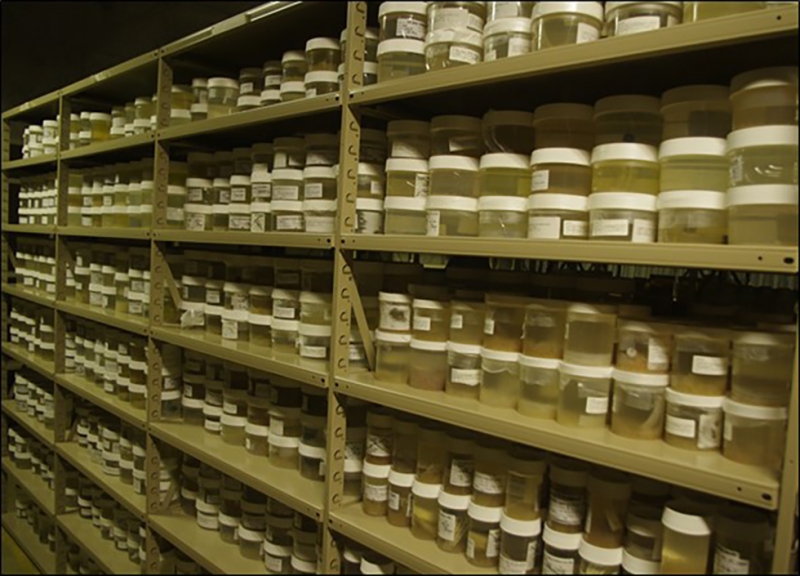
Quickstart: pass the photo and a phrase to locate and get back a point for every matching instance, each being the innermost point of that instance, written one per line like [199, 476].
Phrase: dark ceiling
[48, 45]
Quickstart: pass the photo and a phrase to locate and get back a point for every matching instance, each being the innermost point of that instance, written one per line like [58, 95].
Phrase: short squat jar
[400, 58]
[584, 394]
[565, 23]
[623, 217]
[506, 37]
[623, 18]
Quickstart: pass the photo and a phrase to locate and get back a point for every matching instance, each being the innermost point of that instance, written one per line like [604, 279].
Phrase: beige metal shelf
[49, 99]
[203, 546]
[707, 472]
[751, 258]
[37, 297]
[109, 146]
[108, 402]
[104, 552]
[123, 493]
[29, 229]
[422, 556]
[33, 484]
[32, 425]
[313, 372]
[257, 472]
[275, 239]
[712, 33]
[135, 324]
[36, 161]
[23, 535]
[119, 74]
[89, 232]
[18, 353]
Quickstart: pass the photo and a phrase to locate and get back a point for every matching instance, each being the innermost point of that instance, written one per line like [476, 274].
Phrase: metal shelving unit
[642, 62]
[23, 535]
[33, 484]
[32, 425]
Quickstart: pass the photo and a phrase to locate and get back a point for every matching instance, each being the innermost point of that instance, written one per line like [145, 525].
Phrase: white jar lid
[270, 94]
[239, 180]
[404, 203]
[401, 479]
[259, 319]
[453, 501]
[293, 56]
[456, 122]
[236, 288]
[763, 136]
[372, 170]
[285, 325]
[591, 9]
[693, 400]
[490, 515]
[392, 337]
[222, 83]
[313, 298]
[399, 126]
[297, 86]
[314, 330]
[564, 110]
[199, 82]
[459, 35]
[287, 206]
[586, 371]
[624, 151]
[452, 162]
[319, 205]
[762, 194]
[285, 441]
[558, 202]
[574, 156]
[523, 528]
[697, 199]
[633, 565]
[764, 78]
[626, 102]
[406, 165]
[376, 470]
[544, 363]
[287, 174]
[394, 298]
[600, 556]
[321, 76]
[369, 204]
[504, 203]
[733, 408]
[509, 25]
[488, 354]
[428, 346]
[695, 93]
[693, 146]
[677, 521]
[221, 183]
[503, 160]
[466, 349]
[622, 201]
[763, 339]
[561, 540]
[323, 44]
[319, 172]
[402, 7]
[367, 567]
[100, 116]
[401, 45]
[199, 183]
[429, 304]
[265, 207]
[452, 203]
[277, 551]
[283, 294]
[311, 451]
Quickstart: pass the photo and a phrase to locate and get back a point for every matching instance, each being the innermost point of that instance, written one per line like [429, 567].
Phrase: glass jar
[693, 422]
[764, 97]
[700, 362]
[502, 217]
[754, 434]
[560, 171]
[400, 58]
[620, 216]
[762, 155]
[763, 215]
[376, 489]
[539, 387]
[402, 20]
[633, 17]
[453, 522]
[687, 539]
[222, 96]
[425, 510]
[491, 471]
[506, 37]
[504, 175]
[500, 383]
[568, 501]
[639, 404]
[483, 537]
[694, 217]
[625, 167]
[583, 395]
[696, 111]
[565, 126]
[452, 47]
[761, 372]
[565, 23]
[628, 118]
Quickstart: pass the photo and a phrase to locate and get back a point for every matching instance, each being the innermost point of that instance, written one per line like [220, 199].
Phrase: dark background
[49, 45]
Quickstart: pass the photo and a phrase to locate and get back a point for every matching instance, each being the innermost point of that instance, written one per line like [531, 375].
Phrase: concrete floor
[14, 560]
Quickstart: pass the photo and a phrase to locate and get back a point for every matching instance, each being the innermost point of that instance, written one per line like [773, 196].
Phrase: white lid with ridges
[762, 195]
[504, 160]
[621, 151]
[692, 199]
[622, 201]
[694, 400]
[733, 408]
[558, 202]
[461, 203]
[573, 156]
[401, 45]
[694, 146]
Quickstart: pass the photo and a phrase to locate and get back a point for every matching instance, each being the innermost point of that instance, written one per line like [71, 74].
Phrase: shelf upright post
[343, 284]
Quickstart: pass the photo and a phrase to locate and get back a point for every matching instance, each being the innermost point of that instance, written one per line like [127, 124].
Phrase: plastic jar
[687, 539]
[539, 387]
[369, 216]
[456, 15]
[590, 334]
[283, 451]
[319, 83]
[453, 524]
[598, 560]
[502, 217]
[402, 20]
[583, 395]
[293, 66]
[693, 422]
[625, 167]
[222, 96]
[319, 183]
[500, 383]
[763, 215]
[643, 347]
[693, 164]
[371, 180]
[287, 216]
[692, 216]
[451, 48]
[506, 37]
[508, 131]
[560, 552]
[741, 535]
[284, 335]
[323, 54]
[628, 118]
[490, 476]
[504, 175]
[400, 58]
[456, 135]
[289, 91]
[565, 23]
[406, 177]
[101, 126]
[638, 409]
[427, 368]
[764, 97]
[567, 504]
[431, 320]
[393, 354]
[463, 374]
[623, 18]
[409, 139]
[565, 126]
[754, 435]
[623, 217]
[425, 510]
[395, 312]
[454, 176]
[523, 491]
[399, 509]
[763, 155]
[700, 362]
[696, 111]
[502, 327]
[376, 489]
[608, 494]
[520, 546]
[762, 368]
[319, 216]
[557, 216]
[483, 537]
[467, 322]
[561, 171]
[313, 341]
[405, 215]
[697, 11]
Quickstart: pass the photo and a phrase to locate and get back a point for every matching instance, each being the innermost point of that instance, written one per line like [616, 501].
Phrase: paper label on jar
[615, 227]
[320, 224]
[357, 353]
[557, 565]
[508, 566]
[450, 18]
[637, 400]
[683, 427]
[285, 192]
[493, 543]
[261, 191]
[657, 354]
[447, 526]
[518, 46]
[574, 228]
[487, 483]
[195, 221]
[354, 450]
[108, 200]
[175, 214]
[213, 296]
[135, 308]
[245, 88]
[410, 29]
[313, 351]
[433, 219]
[727, 561]
[395, 317]
[467, 377]
[567, 510]
[289, 222]
[597, 405]
[273, 564]
[394, 501]
[422, 323]
[258, 222]
[544, 227]
[461, 472]
[312, 190]
[276, 426]
[708, 431]
[95, 299]
[194, 195]
[224, 196]
[421, 182]
[736, 170]
[376, 493]
[727, 428]
[230, 329]
[709, 365]
[376, 188]
[238, 194]
[488, 326]
[540, 180]
[586, 33]
[643, 231]
[238, 222]
[457, 321]
[379, 446]
[284, 312]
[459, 54]
[470, 547]
[638, 24]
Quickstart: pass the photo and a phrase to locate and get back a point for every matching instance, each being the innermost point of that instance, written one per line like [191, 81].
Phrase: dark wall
[48, 45]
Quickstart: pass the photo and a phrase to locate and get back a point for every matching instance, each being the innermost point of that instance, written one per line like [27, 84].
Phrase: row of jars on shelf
[40, 523]
[262, 527]
[27, 453]
[31, 327]
[34, 397]
[35, 265]
[496, 501]
[418, 37]
[37, 200]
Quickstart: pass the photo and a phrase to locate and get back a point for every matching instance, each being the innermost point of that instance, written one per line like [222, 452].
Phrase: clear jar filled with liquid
[506, 37]
[503, 322]
[625, 217]
[483, 537]
[520, 546]
[503, 174]
[393, 354]
[502, 217]
[691, 216]
[741, 535]
[375, 497]
[451, 48]
[399, 509]
[565, 23]
[560, 554]
[623, 18]
[467, 322]
[560, 171]
[425, 510]
[464, 370]
[625, 167]
[763, 215]
[701, 361]
[765, 97]
[508, 131]
[400, 58]
[696, 111]
[761, 372]
[687, 539]
[693, 422]
[222, 96]
[500, 383]
[539, 391]
[590, 334]
[524, 484]
[639, 404]
[754, 435]
[405, 216]
[567, 506]
[564, 125]
[763, 155]
[598, 560]
[693, 164]
[453, 523]
[628, 118]
[293, 66]
[608, 492]
[544, 329]
[431, 453]
[402, 20]
[584, 395]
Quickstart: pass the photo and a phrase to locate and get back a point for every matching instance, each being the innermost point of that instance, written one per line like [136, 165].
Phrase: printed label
[174, 214]
[312, 190]
[379, 446]
[637, 400]
[736, 171]
[460, 54]
[433, 219]
[643, 231]
[447, 526]
[238, 222]
[508, 566]
[394, 501]
[311, 92]
[230, 329]
[285, 192]
[283, 312]
[518, 46]
[638, 24]
[683, 427]
[261, 191]
[319, 224]
[708, 431]
[108, 200]
[376, 188]
[657, 355]
[616, 227]
[488, 326]
[289, 223]
[597, 405]
[421, 182]
[540, 180]
[273, 564]
[727, 428]
[457, 321]
[493, 543]
[410, 29]
[376, 493]
[586, 33]
[490, 55]
[488, 483]
[727, 561]
[224, 196]
[194, 195]
[422, 323]
[450, 18]
[567, 510]
[467, 377]
[313, 351]
[575, 228]
[213, 296]
[461, 472]
[544, 227]
[709, 365]
[354, 450]
[195, 221]
[258, 222]
[245, 88]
